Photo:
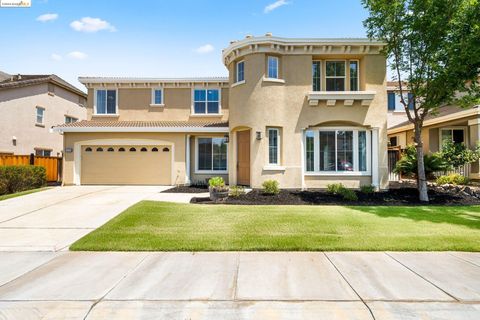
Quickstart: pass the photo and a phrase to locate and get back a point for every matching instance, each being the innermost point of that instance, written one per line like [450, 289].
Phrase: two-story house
[305, 112]
[29, 106]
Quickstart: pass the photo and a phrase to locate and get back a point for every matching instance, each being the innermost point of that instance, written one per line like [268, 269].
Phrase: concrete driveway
[51, 220]
[240, 285]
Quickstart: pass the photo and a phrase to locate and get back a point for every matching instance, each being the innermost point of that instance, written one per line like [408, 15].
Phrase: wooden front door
[243, 158]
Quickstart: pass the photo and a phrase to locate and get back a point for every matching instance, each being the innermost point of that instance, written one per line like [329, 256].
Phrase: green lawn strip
[163, 226]
[22, 193]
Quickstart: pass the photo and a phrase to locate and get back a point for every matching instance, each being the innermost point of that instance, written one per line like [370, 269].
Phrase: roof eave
[61, 129]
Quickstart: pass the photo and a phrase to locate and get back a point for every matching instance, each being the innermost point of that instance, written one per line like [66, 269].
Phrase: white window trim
[465, 136]
[336, 77]
[197, 171]
[321, 72]
[206, 114]
[358, 74]
[398, 140]
[269, 164]
[161, 104]
[43, 115]
[236, 72]
[95, 113]
[267, 76]
[316, 133]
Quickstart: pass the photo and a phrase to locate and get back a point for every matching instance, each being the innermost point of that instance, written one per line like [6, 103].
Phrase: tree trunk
[421, 177]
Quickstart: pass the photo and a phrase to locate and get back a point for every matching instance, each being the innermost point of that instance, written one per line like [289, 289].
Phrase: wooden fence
[53, 165]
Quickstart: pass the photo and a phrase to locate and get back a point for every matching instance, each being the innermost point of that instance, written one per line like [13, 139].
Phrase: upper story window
[335, 75]
[411, 101]
[391, 101]
[273, 146]
[106, 102]
[69, 119]
[40, 115]
[316, 76]
[206, 101]
[157, 97]
[240, 72]
[272, 63]
[354, 75]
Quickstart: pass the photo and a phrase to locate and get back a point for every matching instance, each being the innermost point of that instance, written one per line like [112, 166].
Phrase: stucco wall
[134, 104]
[18, 117]
[258, 104]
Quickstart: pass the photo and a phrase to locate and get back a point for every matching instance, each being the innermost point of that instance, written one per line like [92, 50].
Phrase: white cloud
[77, 55]
[205, 49]
[88, 24]
[47, 17]
[56, 57]
[275, 5]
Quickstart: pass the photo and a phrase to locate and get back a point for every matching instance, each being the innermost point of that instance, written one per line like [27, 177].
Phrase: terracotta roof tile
[22, 80]
[144, 124]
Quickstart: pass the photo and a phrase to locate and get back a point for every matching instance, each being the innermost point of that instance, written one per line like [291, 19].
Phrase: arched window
[132, 149]
[143, 149]
[154, 149]
[121, 149]
[88, 149]
[110, 149]
[99, 149]
[165, 150]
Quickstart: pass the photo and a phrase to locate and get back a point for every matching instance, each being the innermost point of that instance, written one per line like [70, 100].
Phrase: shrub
[236, 191]
[408, 163]
[216, 182]
[335, 188]
[367, 189]
[270, 187]
[20, 178]
[457, 154]
[340, 189]
[453, 178]
[348, 194]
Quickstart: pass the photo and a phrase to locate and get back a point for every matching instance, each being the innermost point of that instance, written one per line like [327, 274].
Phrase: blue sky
[146, 38]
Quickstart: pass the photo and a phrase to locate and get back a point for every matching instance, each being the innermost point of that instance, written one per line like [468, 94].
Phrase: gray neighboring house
[29, 106]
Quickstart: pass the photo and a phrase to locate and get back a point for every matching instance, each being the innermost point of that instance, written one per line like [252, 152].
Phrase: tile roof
[22, 80]
[443, 111]
[144, 124]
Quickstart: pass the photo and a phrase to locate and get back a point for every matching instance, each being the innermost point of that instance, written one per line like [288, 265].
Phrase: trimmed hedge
[20, 178]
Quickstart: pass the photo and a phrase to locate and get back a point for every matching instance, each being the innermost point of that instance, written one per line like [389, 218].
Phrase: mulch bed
[394, 197]
[187, 189]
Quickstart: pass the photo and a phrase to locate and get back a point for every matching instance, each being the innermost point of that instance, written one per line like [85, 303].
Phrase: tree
[433, 47]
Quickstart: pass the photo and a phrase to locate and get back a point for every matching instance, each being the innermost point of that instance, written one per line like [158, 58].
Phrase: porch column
[375, 168]
[187, 160]
[473, 138]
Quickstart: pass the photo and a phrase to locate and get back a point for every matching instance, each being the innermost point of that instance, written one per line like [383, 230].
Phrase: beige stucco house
[305, 112]
[29, 106]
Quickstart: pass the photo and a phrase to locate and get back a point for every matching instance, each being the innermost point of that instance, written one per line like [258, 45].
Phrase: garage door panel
[127, 167]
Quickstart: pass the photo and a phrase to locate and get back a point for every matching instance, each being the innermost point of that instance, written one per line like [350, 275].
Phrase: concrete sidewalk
[240, 285]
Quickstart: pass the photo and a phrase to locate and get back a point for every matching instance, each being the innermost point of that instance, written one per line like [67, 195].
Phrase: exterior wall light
[258, 135]
[227, 138]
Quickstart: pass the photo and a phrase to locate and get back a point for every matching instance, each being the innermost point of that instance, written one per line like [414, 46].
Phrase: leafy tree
[457, 154]
[433, 47]
[408, 164]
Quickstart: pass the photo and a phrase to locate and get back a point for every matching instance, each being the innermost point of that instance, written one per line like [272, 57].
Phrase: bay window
[272, 63]
[335, 75]
[211, 155]
[106, 102]
[206, 101]
[337, 151]
[240, 74]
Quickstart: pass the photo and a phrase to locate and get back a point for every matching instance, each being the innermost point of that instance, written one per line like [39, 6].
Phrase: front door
[243, 158]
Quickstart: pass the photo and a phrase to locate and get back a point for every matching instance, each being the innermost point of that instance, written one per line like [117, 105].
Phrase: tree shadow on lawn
[468, 216]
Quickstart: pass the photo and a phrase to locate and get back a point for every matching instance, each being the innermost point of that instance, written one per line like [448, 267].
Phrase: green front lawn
[22, 193]
[163, 226]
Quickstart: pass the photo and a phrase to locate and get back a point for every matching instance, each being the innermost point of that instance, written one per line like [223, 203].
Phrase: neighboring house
[396, 110]
[450, 122]
[29, 106]
[305, 112]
